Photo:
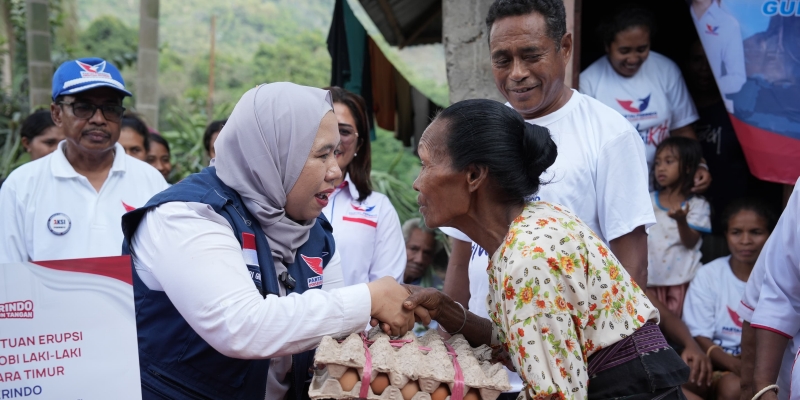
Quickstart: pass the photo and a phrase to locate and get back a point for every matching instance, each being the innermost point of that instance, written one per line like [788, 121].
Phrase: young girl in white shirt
[673, 245]
[717, 289]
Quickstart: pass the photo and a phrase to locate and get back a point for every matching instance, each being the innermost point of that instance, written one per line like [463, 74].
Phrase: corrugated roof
[406, 22]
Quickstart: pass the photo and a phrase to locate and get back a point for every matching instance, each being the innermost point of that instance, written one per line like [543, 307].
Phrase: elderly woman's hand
[387, 306]
[427, 303]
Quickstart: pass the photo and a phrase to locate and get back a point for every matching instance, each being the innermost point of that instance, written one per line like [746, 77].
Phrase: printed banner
[753, 48]
[68, 330]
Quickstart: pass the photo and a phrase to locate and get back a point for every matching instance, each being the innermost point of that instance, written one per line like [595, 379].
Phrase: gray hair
[417, 223]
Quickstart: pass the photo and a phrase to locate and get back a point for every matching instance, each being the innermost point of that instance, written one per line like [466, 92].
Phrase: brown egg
[380, 383]
[349, 379]
[441, 392]
[409, 390]
[473, 394]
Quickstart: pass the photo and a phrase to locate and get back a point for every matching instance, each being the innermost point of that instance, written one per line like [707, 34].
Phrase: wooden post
[8, 48]
[40, 66]
[210, 101]
[147, 63]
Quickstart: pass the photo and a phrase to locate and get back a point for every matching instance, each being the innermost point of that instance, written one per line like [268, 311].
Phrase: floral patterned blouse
[556, 296]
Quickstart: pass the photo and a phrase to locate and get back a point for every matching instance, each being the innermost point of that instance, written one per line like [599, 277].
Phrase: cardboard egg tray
[425, 360]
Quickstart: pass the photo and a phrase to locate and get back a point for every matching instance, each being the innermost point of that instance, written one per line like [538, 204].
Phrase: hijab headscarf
[261, 151]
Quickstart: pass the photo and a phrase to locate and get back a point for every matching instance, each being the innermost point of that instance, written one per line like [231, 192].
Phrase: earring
[355, 154]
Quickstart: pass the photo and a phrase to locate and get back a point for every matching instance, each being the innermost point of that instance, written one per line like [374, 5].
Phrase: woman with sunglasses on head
[365, 224]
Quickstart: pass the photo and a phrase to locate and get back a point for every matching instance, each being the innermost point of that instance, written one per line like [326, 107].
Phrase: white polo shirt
[50, 212]
[367, 234]
[722, 40]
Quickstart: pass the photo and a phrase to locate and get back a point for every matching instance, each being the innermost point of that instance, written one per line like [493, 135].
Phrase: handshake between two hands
[397, 307]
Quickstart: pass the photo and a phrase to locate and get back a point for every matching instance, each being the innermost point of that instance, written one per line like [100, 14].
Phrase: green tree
[302, 59]
[111, 39]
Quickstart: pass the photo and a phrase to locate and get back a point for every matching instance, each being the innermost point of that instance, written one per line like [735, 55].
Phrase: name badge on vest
[251, 257]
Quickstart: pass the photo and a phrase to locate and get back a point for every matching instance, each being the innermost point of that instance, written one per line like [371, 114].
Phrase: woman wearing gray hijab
[226, 260]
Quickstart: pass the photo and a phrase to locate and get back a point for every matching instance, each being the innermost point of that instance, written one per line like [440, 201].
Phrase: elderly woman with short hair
[562, 308]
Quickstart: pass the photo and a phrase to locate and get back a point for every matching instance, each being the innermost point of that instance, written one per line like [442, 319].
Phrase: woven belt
[646, 339]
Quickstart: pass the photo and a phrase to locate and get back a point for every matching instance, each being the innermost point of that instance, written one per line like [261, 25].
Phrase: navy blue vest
[171, 355]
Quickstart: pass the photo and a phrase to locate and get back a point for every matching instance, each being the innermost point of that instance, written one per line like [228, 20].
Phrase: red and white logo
[93, 71]
[128, 208]
[735, 317]
[315, 263]
[249, 249]
[17, 309]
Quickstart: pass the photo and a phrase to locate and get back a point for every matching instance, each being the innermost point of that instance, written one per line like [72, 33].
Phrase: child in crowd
[159, 155]
[673, 244]
[715, 292]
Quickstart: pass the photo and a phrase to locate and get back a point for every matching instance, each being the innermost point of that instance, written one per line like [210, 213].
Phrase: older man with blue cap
[69, 204]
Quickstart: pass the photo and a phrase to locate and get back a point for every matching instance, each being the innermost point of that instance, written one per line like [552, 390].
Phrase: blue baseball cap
[83, 74]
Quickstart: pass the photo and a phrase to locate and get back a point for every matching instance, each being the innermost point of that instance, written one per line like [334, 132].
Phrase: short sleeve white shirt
[367, 234]
[49, 212]
[710, 306]
[778, 307]
[721, 36]
[655, 100]
[669, 262]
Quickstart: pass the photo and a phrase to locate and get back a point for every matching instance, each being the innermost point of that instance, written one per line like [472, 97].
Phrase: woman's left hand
[702, 180]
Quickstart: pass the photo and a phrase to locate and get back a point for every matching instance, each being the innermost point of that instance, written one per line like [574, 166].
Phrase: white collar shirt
[367, 234]
[721, 36]
[48, 211]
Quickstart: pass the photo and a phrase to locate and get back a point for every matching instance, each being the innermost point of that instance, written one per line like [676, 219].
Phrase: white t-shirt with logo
[655, 100]
[367, 234]
[50, 212]
[721, 36]
[711, 302]
[669, 262]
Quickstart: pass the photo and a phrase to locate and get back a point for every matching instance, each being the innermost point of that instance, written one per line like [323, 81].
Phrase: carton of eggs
[408, 368]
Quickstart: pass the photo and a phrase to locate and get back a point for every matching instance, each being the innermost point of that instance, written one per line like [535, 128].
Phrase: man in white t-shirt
[722, 40]
[600, 172]
[69, 204]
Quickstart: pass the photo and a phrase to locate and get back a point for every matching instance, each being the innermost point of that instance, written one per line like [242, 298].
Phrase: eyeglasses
[112, 113]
